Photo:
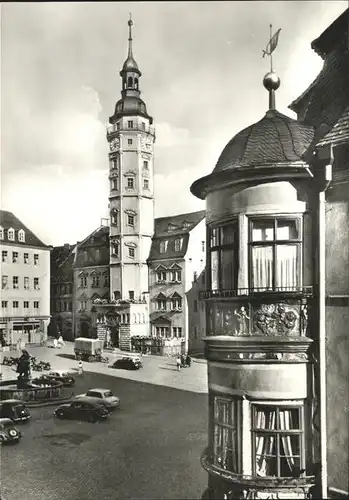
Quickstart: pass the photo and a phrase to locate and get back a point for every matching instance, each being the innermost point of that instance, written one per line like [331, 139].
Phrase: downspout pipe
[325, 161]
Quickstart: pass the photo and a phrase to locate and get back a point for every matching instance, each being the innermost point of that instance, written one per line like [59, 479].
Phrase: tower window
[129, 82]
[146, 184]
[130, 220]
[129, 142]
[130, 124]
[163, 246]
[136, 83]
[178, 244]
[114, 184]
[143, 125]
[117, 125]
[130, 182]
[146, 165]
[116, 249]
[131, 252]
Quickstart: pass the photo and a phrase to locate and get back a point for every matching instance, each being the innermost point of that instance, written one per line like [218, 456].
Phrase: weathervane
[271, 46]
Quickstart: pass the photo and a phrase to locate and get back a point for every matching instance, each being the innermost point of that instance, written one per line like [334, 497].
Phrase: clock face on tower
[114, 145]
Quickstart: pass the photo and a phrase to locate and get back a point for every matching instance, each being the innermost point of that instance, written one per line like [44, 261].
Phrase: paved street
[156, 370]
[150, 448]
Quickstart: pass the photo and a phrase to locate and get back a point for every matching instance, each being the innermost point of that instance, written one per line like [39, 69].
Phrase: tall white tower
[131, 138]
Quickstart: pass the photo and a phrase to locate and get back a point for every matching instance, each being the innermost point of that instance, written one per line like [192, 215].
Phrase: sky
[202, 79]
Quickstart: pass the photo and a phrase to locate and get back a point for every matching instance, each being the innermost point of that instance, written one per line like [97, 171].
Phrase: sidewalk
[156, 370]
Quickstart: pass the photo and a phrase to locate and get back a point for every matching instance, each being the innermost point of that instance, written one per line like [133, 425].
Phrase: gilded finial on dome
[271, 81]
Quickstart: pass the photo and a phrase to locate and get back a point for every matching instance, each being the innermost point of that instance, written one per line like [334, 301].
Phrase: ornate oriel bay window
[223, 256]
[275, 253]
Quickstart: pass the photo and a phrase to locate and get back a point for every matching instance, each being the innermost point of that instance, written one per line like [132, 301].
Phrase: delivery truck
[89, 350]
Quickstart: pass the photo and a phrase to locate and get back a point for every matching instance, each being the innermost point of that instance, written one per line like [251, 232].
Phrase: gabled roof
[339, 133]
[62, 260]
[180, 221]
[9, 220]
[334, 35]
[86, 256]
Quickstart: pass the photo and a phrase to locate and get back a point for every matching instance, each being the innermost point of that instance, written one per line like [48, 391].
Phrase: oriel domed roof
[130, 64]
[132, 105]
[276, 138]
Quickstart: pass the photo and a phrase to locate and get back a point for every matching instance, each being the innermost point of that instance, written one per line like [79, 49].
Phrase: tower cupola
[130, 102]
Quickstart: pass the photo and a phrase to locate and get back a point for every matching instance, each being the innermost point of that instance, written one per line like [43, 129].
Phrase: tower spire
[271, 81]
[130, 24]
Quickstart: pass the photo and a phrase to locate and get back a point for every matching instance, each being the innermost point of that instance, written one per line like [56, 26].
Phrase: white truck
[89, 350]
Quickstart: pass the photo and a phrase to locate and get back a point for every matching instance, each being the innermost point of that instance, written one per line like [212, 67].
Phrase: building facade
[176, 259]
[267, 322]
[62, 283]
[25, 283]
[196, 316]
[325, 104]
[131, 138]
[91, 281]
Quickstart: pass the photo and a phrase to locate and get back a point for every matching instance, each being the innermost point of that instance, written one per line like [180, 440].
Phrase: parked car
[102, 396]
[8, 431]
[59, 375]
[14, 409]
[82, 409]
[127, 363]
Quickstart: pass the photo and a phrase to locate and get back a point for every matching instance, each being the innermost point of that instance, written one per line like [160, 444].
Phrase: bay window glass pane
[263, 230]
[214, 237]
[287, 230]
[214, 270]
[227, 269]
[228, 234]
[286, 266]
[262, 267]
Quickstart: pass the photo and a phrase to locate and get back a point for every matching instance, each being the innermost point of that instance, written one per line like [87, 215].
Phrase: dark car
[60, 376]
[15, 410]
[8, 431]
[127, 364]
[82, 409]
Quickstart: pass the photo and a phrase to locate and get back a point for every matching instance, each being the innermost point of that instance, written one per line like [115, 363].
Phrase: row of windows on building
[130, 218]
[115, 250]
[15, 258]
[165, 332]
[62, 306]
[95, 282]
[10, 234]
[66, 289]
[130, 183]
[15, 304]
[115, 163]
[130, 123]
[175, 304]
[171, 276]
[16, 283]
[276, 437]
[178, 242]
[274, 254]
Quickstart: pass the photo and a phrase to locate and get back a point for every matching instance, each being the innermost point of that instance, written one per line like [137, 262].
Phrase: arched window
[136, 83]
[21, 235]
[129, 81]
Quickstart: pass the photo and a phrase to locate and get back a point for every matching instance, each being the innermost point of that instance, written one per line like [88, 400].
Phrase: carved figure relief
[242, 322]
[275, 319]
[304, 320]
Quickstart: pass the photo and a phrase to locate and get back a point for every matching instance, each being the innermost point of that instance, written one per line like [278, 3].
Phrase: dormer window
[145, 184]
[11, 234]
[185, 225]
[178, 244]
[21, 236]
[163, 246]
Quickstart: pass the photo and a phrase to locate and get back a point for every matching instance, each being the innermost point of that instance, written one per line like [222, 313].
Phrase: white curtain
[286, 266]
[265, 465]
[225, 451]
[285, 423]
[262, 267]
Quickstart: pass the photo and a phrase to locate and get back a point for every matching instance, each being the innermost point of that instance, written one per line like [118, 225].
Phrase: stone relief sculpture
[275, 319]
[242, 322]
[303, 319]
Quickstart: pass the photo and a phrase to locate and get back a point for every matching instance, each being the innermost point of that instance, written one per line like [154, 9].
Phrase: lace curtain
[225, 435]
[263, 267]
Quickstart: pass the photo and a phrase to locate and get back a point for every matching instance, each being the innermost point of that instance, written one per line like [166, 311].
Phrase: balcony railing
[304, 291]
[149, 129]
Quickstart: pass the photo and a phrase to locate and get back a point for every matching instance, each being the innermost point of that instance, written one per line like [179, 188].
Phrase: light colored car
[102, 396]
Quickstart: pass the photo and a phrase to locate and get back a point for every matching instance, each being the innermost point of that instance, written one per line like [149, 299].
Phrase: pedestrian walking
[179, 363]
[80, 368]
[55, 343]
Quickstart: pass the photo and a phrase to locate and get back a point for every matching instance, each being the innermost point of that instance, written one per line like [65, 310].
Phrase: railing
[149, 129]
[306, 291]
